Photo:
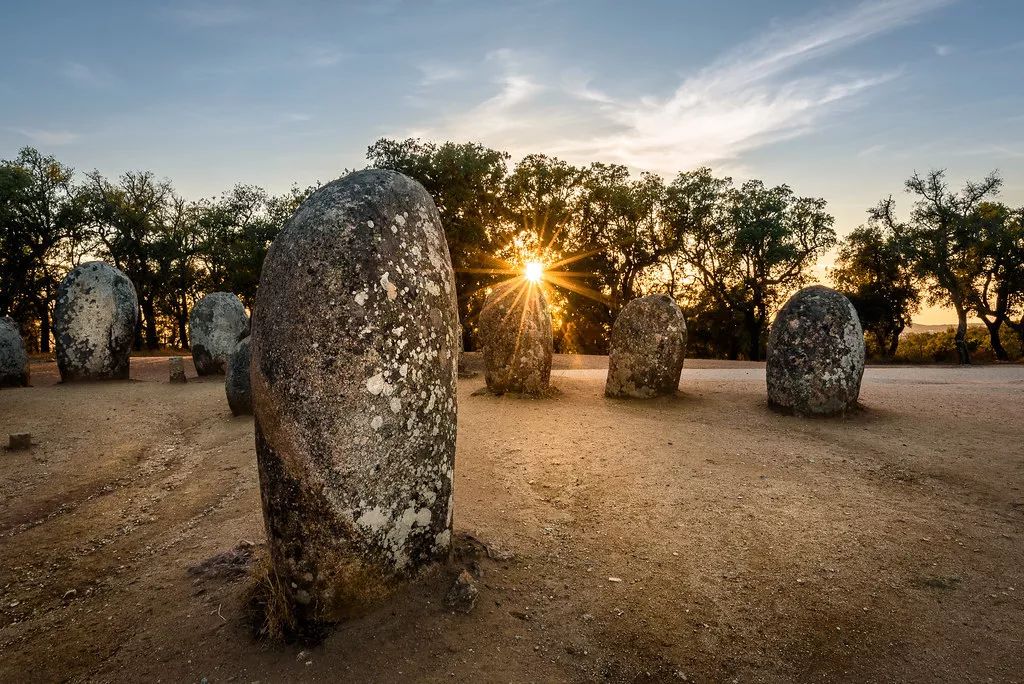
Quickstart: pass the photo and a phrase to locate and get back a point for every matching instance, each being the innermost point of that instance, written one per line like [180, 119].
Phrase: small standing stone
[648, 347]
[215, 325]
[815, 354]
[19, 441]
[354, 355]
[14, 370]
[94, 322]
[237, 384]
[177, 369]
[515, 329]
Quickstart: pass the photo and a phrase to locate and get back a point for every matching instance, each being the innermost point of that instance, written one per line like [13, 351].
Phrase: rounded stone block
[215, 325]
[355, 342]
[94, 322]
[815, 354]
[648, 347]
[236, 382]
[515, 331]
[14, 371]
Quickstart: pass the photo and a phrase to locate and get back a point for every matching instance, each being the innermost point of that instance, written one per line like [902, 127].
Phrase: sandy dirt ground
[697, 538]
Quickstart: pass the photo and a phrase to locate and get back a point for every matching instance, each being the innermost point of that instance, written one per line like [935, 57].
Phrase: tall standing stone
[815, 354]
[215, 325]
[354, 355]
[648, 347]
[237, 384]
[94, 322]
[14, 370]
[515, 331]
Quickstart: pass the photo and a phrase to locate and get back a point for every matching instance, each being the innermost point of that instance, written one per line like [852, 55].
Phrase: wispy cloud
[761, 92]
[47, 137]
[322, 56]
[85, 75]
[432, 73]
[943, 50]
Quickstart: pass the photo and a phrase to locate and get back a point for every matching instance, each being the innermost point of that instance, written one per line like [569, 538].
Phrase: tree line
[730, 253]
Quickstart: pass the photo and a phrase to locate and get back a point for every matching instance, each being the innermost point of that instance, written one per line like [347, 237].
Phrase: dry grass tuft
[269, 611]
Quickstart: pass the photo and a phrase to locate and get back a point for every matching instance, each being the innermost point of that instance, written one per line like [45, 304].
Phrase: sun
[534, 271]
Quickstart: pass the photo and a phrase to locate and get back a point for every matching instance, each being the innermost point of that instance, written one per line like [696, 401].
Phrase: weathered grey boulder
[648, 347]
[215, 325]
[13, 359]
[236, 383]
[176, 368]
[515, 332]
[354, 355]
[94, 322]
[815, 354]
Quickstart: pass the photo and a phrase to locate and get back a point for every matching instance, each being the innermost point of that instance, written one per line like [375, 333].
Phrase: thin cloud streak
[47, 137]
[745, 100]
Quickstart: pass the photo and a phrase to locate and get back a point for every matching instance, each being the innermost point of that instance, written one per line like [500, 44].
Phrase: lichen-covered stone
[815, 354]
[354, 355]
[176, 369]
[515, 331]
[94, 322]
[236, 383]
[14, 370]
[215, 325]
[648, 346]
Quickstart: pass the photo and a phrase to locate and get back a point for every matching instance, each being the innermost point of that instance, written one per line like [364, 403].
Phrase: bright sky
[842, 100]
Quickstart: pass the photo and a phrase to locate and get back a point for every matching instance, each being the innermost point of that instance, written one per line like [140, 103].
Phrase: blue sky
[842, 100]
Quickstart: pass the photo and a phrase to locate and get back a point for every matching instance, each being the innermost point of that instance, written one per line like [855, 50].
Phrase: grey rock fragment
[354, 358]
[648, 347]
[94, 321]
[815, 356]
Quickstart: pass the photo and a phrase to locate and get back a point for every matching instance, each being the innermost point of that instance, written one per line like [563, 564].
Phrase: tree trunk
[44, 328]
[149, 314]
[993, 335]
[183, 324]
[754, 331]
[894, 343]
[962, 352]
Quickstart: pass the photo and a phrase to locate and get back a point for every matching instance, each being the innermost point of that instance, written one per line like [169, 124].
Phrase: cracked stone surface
[215, 325]
[354, 361]
[515, 331]
[14, 371]
[815, 354]
[648, 347]
[236, 382]
[94, 321]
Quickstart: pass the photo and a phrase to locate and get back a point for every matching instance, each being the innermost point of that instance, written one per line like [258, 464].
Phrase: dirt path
[747, 545]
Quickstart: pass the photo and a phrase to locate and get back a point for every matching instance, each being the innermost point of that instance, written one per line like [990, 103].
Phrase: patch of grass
[269, 611]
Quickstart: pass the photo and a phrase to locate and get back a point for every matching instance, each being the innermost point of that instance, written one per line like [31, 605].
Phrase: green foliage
[872, 269]
[748, 248]
[941, 347]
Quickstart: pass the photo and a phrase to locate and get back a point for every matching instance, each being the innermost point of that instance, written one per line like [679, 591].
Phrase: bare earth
[698, 538]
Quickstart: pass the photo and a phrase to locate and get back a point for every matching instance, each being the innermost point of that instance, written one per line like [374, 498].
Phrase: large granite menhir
[815, 354]
[354, 362]
[515, 332]
[648, 347]
[215, 325]
[14, 370]
[94, 322]
[237, 385]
